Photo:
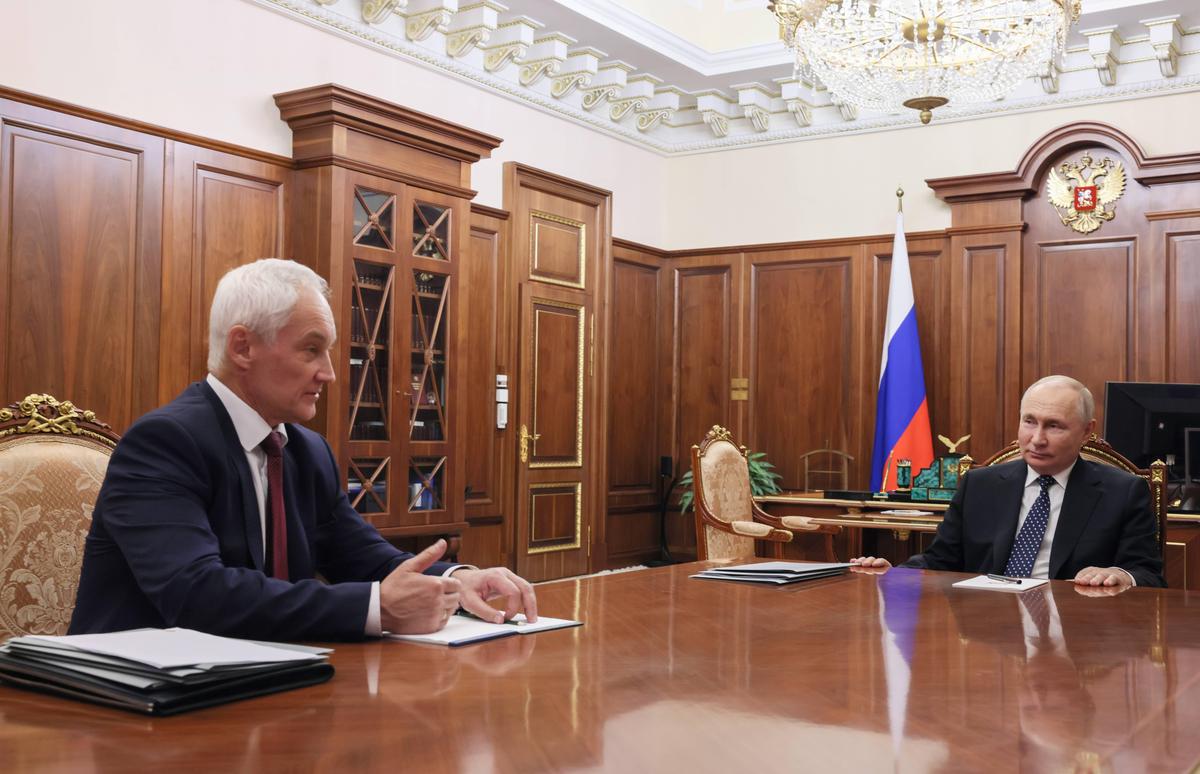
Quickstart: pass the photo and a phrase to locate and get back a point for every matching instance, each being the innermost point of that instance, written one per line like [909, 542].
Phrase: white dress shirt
[1056, 492]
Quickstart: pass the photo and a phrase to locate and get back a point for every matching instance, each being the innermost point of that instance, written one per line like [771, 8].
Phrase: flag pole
[899, 199]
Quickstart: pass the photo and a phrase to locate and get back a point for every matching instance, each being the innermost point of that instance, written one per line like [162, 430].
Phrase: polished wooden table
[892, 672]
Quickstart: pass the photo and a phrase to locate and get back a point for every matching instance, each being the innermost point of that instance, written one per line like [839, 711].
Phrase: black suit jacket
[176, 536]
[1105, 521]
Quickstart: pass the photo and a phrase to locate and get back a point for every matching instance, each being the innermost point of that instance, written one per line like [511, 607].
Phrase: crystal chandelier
[922, 54]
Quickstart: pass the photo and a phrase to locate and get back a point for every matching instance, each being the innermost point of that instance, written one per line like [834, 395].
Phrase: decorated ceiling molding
[653, 74]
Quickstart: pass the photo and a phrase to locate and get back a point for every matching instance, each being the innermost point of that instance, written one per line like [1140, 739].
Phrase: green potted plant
[763, 480]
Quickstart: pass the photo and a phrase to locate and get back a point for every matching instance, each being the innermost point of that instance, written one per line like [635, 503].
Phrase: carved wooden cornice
[489, 212]
[555, 183]
[332, 105]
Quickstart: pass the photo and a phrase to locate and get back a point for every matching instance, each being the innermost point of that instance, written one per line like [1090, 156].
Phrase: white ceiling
[684, 76]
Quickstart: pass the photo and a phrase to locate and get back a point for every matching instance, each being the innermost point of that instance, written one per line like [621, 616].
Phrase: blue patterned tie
[1029, 539]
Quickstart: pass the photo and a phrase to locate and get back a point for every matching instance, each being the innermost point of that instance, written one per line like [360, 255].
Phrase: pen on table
[1004, 579]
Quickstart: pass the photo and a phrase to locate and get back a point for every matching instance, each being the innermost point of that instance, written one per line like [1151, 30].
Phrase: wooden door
[552, 426]
[562, 250]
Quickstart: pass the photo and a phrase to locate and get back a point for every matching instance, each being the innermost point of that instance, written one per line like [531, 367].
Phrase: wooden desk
[673, 674]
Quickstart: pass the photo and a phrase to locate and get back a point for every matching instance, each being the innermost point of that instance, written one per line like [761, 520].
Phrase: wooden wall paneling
[928, 265]
[702, 305]
[222, 211]
[1081, 291]
[985, 337]
[80, 261]
[804, 323]
[1079, 310]
[706, 351]
[1176, 242]
[638, 403]
[487, 453]
[561, 238]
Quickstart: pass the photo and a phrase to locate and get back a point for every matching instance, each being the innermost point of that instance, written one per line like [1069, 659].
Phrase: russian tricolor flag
[901, 411]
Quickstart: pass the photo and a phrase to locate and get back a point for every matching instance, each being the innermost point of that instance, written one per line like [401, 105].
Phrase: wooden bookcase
[381, 209]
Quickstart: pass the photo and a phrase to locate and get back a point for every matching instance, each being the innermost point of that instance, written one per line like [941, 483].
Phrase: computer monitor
[1148, 421]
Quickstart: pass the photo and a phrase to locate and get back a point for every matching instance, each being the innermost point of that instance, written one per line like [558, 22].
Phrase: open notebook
[463, 629]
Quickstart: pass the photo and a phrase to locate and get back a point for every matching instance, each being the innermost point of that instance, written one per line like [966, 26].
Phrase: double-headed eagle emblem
[1081, 192]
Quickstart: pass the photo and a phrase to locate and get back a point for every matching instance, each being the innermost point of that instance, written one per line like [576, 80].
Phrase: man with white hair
[1050, 514]
[219, 510]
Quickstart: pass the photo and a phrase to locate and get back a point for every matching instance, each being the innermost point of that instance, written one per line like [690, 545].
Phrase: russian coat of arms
[1082, 192]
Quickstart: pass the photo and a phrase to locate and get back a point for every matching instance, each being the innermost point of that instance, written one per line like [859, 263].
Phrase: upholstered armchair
[52, 462]
[1097, 449]
[727, 519]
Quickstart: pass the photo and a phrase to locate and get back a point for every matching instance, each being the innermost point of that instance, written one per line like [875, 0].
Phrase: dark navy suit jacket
[176, 536]
[1105, 521]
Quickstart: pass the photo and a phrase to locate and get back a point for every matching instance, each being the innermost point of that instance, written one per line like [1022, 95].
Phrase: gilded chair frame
[761, 526]
[52, 461]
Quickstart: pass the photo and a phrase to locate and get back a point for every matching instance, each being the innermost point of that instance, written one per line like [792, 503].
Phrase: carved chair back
[721, 478]
[52, 462]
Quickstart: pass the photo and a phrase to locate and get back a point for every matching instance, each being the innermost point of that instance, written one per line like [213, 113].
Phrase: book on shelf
[159, 671]
[463, 629]
[774, 573]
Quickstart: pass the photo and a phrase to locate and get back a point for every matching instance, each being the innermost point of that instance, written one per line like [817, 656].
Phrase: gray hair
[1086, 405]
[260, 296]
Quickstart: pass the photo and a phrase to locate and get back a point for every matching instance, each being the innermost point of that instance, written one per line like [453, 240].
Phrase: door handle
[523, 439]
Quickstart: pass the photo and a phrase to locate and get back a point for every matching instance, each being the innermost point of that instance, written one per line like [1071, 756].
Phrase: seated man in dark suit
[1051, 514]
[218, 509]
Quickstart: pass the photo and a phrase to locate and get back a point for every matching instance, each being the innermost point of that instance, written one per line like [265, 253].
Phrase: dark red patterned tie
[273, 446]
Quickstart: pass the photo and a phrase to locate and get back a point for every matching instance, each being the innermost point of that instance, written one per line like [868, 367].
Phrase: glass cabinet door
[400, 457]
[432, 245]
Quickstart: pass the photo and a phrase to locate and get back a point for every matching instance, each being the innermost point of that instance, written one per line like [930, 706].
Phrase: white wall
[846, 186]
[210, 68]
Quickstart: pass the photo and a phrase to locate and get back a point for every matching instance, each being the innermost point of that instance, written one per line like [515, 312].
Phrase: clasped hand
[413, 603]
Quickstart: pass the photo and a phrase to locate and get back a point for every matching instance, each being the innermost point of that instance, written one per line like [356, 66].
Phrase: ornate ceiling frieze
[496, 47]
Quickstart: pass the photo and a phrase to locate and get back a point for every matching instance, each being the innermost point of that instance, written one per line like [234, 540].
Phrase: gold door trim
[578, 461]
[534, 216]
[578, 487]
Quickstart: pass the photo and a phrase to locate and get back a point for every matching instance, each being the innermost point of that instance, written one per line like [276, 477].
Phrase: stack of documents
[159, 671]
[776, 573]
[462, 629]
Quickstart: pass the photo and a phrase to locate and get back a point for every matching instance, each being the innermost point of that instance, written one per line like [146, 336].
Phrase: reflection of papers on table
[775, 573]
[991, 584]
[461, 630]
[903, 513]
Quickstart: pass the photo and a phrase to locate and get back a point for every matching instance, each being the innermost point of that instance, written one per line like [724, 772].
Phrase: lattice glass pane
[431, 231]
[428, 357]
[426, 477]
[374, 218]
[366, 484]
[370, 313]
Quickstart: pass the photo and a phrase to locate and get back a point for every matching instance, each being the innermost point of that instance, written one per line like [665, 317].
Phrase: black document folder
[774, 573]
[159, 671]
[165, 700]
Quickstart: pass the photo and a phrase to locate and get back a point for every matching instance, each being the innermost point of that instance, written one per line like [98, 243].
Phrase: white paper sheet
[170, 648]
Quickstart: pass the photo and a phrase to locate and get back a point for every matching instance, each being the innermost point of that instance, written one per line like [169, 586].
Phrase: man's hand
[1103, 576]
[412, 603]
[481, 586]
[870, 563]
